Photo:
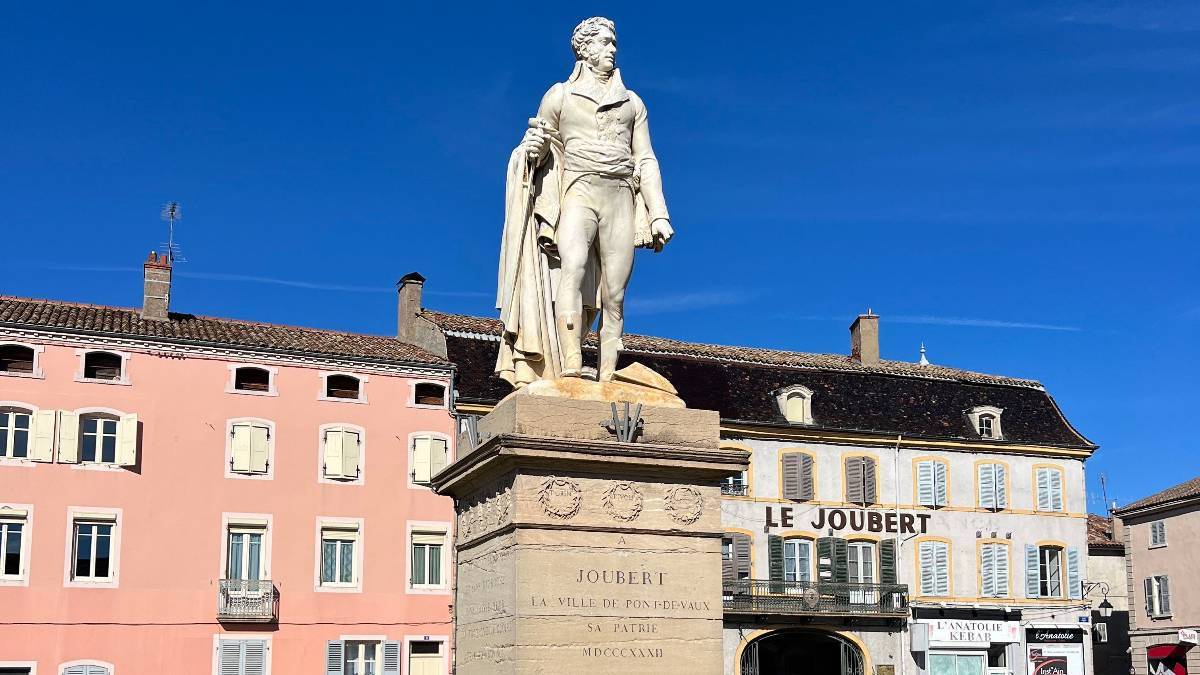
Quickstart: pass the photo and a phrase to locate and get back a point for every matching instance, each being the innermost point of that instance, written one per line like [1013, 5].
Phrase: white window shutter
[1043, 490]
[928, 586]
[1001, 562]
[260, 438]
[1032, 575]
[350, 453]
[76, 670]
[1164, 595]
[255, 657]
[68, 437]
[987, 570]
[229, 657]
[438, 454]
[391, 658]
[1056, 495]
[334, 657]
[941, 553]
[240, 447]
[925, 483]
[422, 466]
[41, 448]
[939, 483]
[1001, 487]
[987, 486]
[127, 440]
[1074, 591]
[333, 453]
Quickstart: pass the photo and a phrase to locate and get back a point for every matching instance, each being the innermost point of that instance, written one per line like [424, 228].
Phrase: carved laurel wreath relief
[685, 504]
[623, 501]
[560, 497]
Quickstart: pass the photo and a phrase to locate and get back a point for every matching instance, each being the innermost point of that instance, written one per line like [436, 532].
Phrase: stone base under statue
[579, 554]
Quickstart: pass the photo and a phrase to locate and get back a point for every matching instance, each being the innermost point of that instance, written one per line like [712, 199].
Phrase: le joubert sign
[852, 520]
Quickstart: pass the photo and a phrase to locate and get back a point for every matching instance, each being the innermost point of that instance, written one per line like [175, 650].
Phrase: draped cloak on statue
[529, 265]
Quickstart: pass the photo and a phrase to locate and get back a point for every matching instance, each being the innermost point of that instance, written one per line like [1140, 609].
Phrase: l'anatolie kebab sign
[849, 520]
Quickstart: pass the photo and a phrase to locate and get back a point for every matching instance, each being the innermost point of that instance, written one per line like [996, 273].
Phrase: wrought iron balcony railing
[254, 601]
[758, 596]
[735, 489]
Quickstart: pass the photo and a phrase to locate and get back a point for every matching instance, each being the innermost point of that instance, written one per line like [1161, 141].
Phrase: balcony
[254, 601]
[734, 489]
[825, 598]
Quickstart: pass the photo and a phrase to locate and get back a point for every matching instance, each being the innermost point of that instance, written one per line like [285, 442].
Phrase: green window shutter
[887, 561]
[775, 557]
[825, 558]
[841, 561]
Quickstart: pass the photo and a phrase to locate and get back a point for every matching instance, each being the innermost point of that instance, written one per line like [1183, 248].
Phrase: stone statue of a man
[584, 191]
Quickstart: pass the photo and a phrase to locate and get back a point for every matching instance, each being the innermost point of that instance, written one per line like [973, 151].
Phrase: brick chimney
[411, 327]
[156, 287]
[864, 339]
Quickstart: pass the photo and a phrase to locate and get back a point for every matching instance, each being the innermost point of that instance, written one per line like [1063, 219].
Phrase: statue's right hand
[535, 143]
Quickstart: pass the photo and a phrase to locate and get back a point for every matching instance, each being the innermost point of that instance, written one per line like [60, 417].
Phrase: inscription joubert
[855, 520]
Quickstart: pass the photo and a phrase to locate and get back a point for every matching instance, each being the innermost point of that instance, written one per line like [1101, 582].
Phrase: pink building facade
[206, 496]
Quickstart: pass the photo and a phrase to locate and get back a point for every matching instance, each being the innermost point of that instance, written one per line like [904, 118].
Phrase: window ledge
[248, 475]
[247, 392]
[1154, 546]
[428, 590]
[334, 480]
[334, 399]
[14, 580]
[84, 583]
[18, 461]
[96, 380]
[338, 588]
[97, 466]
[35, 375]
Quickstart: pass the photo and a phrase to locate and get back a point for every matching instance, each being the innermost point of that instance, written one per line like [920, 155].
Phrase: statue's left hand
[662, 232]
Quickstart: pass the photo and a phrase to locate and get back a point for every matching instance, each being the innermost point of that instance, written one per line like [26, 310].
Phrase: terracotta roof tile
[1100, 533]
[1184, 491]
[126, 322]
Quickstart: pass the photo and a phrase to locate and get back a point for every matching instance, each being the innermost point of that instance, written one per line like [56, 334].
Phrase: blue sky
[1015, 184]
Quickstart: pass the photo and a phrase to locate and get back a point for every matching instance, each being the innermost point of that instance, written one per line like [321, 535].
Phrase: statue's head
[595, 42]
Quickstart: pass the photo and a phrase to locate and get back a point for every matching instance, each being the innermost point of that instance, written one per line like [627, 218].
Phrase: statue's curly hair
[586, 30]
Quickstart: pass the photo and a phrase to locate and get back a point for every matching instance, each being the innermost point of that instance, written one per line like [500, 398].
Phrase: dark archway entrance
[801, 652]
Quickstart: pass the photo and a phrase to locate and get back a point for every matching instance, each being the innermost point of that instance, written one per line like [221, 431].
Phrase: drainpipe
[900, 657]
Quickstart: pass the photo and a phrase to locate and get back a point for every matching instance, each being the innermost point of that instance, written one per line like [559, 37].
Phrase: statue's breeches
[597, 212]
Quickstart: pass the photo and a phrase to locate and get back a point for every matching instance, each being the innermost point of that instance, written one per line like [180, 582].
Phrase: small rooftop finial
[924, 361]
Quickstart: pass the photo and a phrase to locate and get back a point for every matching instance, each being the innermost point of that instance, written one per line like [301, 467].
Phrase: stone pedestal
[577, 554]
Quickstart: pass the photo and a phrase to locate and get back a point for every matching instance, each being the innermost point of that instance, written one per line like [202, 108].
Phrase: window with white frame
[430, 455]
[244, 552]
[18, 360]
[344, 387]
[341, 456]
[797, 559]
[935, 567]
[985, 419]
[249, 447]
[795, 403]
[1158, 596]
[363, 657]
[339, 559]
[1049, 489]
[93, 558]
[103, 366]
[97, 438]
[1050, 571]
[931, 483]
[15, 432]
[993, 486]
[242, 656]
[426, 560]
[993, 570]
[88, 669]
[252, 379]
[1158, 533]
[14, 533]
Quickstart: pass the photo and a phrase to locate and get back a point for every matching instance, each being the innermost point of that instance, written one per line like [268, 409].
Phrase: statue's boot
[570, 341]
[610, 350]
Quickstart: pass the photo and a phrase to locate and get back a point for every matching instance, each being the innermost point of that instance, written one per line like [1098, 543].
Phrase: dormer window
[986, 421]
[102, 366]
[429, 393]
[795, 404]
[249, 378]
[343, 387]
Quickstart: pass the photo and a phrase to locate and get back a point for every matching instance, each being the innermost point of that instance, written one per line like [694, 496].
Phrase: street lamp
[1105, 607]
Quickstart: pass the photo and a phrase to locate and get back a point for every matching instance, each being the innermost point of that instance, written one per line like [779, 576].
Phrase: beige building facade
[1160, 534]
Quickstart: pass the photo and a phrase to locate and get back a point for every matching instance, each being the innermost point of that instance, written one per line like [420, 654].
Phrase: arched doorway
[801, 652]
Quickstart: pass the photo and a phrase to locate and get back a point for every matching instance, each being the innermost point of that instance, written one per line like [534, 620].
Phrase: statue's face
[601, 51]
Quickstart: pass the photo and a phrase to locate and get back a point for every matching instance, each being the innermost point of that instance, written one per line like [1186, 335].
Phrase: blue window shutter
[925, 483]
[1074, 591]
[939, 483]
[987, 486]
[334, 657]
[391, 658]
[1032, 577]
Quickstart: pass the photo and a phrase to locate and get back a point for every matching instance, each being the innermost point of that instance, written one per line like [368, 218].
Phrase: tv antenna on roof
[172, 212]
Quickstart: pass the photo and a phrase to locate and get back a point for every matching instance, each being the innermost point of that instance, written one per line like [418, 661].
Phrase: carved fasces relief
[560, 497]
[623, 501]
[685, 504]
[485, 511]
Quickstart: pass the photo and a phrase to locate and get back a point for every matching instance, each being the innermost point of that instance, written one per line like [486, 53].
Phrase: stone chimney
[156, 287]
[864, 339]
[411, 327]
